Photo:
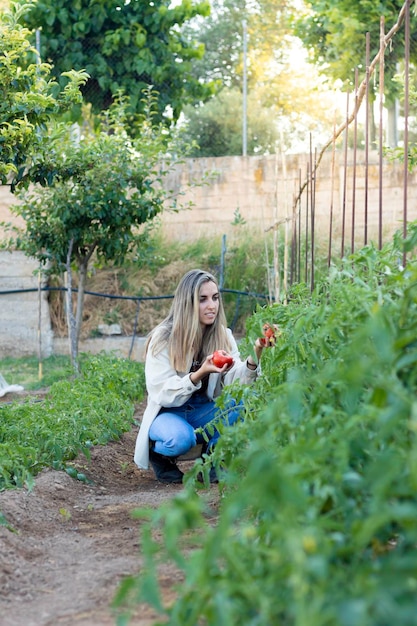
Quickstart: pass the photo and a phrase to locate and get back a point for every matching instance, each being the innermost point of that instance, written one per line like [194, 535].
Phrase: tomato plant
[76, 414]
[317, 519]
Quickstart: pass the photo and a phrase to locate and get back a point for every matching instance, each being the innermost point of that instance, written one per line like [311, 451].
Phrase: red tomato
[268, 331]
[220, 359]
[271, 332]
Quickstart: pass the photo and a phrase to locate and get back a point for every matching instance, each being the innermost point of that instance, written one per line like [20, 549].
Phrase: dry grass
[120, 282]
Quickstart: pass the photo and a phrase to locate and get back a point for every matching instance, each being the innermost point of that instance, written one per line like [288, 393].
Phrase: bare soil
[71, 543]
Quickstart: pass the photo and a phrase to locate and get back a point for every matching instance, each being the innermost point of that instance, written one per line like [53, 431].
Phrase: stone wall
[25, 325]
[263, 190]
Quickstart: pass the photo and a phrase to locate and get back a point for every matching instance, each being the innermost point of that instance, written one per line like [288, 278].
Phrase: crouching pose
[184, 376]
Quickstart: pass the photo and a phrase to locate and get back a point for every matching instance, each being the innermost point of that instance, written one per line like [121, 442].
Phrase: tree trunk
[392, 127]
[71, 323]
[372, 126]
[82, 277]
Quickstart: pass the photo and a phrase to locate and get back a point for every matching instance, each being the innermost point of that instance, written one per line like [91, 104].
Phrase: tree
[222, 36]
[29, 96]
[334, 33]
[340, 51]
[95, 191]
[268, 30]
[282, 101]
[125, 46]
[216, 126]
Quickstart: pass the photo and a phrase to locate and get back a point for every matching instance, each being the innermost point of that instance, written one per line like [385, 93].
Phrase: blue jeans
[173, 430]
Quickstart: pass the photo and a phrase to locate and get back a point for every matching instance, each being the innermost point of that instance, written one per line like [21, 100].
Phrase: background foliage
[29, 96]
[128, 47]
[339, 50]
[286, 98]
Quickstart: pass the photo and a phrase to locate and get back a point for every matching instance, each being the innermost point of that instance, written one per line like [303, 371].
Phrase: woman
[182, 380]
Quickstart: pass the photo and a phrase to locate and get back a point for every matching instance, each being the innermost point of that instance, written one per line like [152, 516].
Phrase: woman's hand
[258, 346]
[271, 332]
[220, 360]
[208, 367]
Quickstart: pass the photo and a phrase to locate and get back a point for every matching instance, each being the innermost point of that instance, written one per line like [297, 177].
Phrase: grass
[26, 371]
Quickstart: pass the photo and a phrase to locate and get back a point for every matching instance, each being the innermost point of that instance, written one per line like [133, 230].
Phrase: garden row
[316, 525]
[78, 413]
[317, 516]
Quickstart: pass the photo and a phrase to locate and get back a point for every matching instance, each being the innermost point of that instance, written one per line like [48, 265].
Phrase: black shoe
[213, 478]
[165, 468]
[213, 475]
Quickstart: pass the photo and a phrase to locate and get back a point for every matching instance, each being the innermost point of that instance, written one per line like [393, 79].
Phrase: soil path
[74, 542]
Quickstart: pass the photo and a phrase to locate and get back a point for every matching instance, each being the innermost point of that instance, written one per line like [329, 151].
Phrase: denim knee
[177, 443]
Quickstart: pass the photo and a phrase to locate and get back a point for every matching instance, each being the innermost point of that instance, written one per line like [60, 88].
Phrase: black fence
[258, 298]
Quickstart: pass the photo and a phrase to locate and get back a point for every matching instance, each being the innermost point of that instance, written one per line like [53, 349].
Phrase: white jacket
[168, 388]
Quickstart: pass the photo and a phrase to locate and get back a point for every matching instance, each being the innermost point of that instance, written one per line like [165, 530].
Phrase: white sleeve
[240, 371]
[164, 384]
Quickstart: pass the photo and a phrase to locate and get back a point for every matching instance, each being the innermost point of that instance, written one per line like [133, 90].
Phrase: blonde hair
[181, 331]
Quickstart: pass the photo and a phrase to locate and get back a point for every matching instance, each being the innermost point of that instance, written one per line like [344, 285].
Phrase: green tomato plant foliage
[29, 95]
[92, 192]
[124, 46]
[96, 407]
[316, 519]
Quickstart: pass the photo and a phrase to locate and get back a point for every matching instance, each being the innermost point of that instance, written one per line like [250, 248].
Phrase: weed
[65, 514]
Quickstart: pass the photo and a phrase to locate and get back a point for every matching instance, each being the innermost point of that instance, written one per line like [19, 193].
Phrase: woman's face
[209, 303]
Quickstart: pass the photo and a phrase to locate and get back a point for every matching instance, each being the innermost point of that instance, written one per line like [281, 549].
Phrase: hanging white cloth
[6, 388]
